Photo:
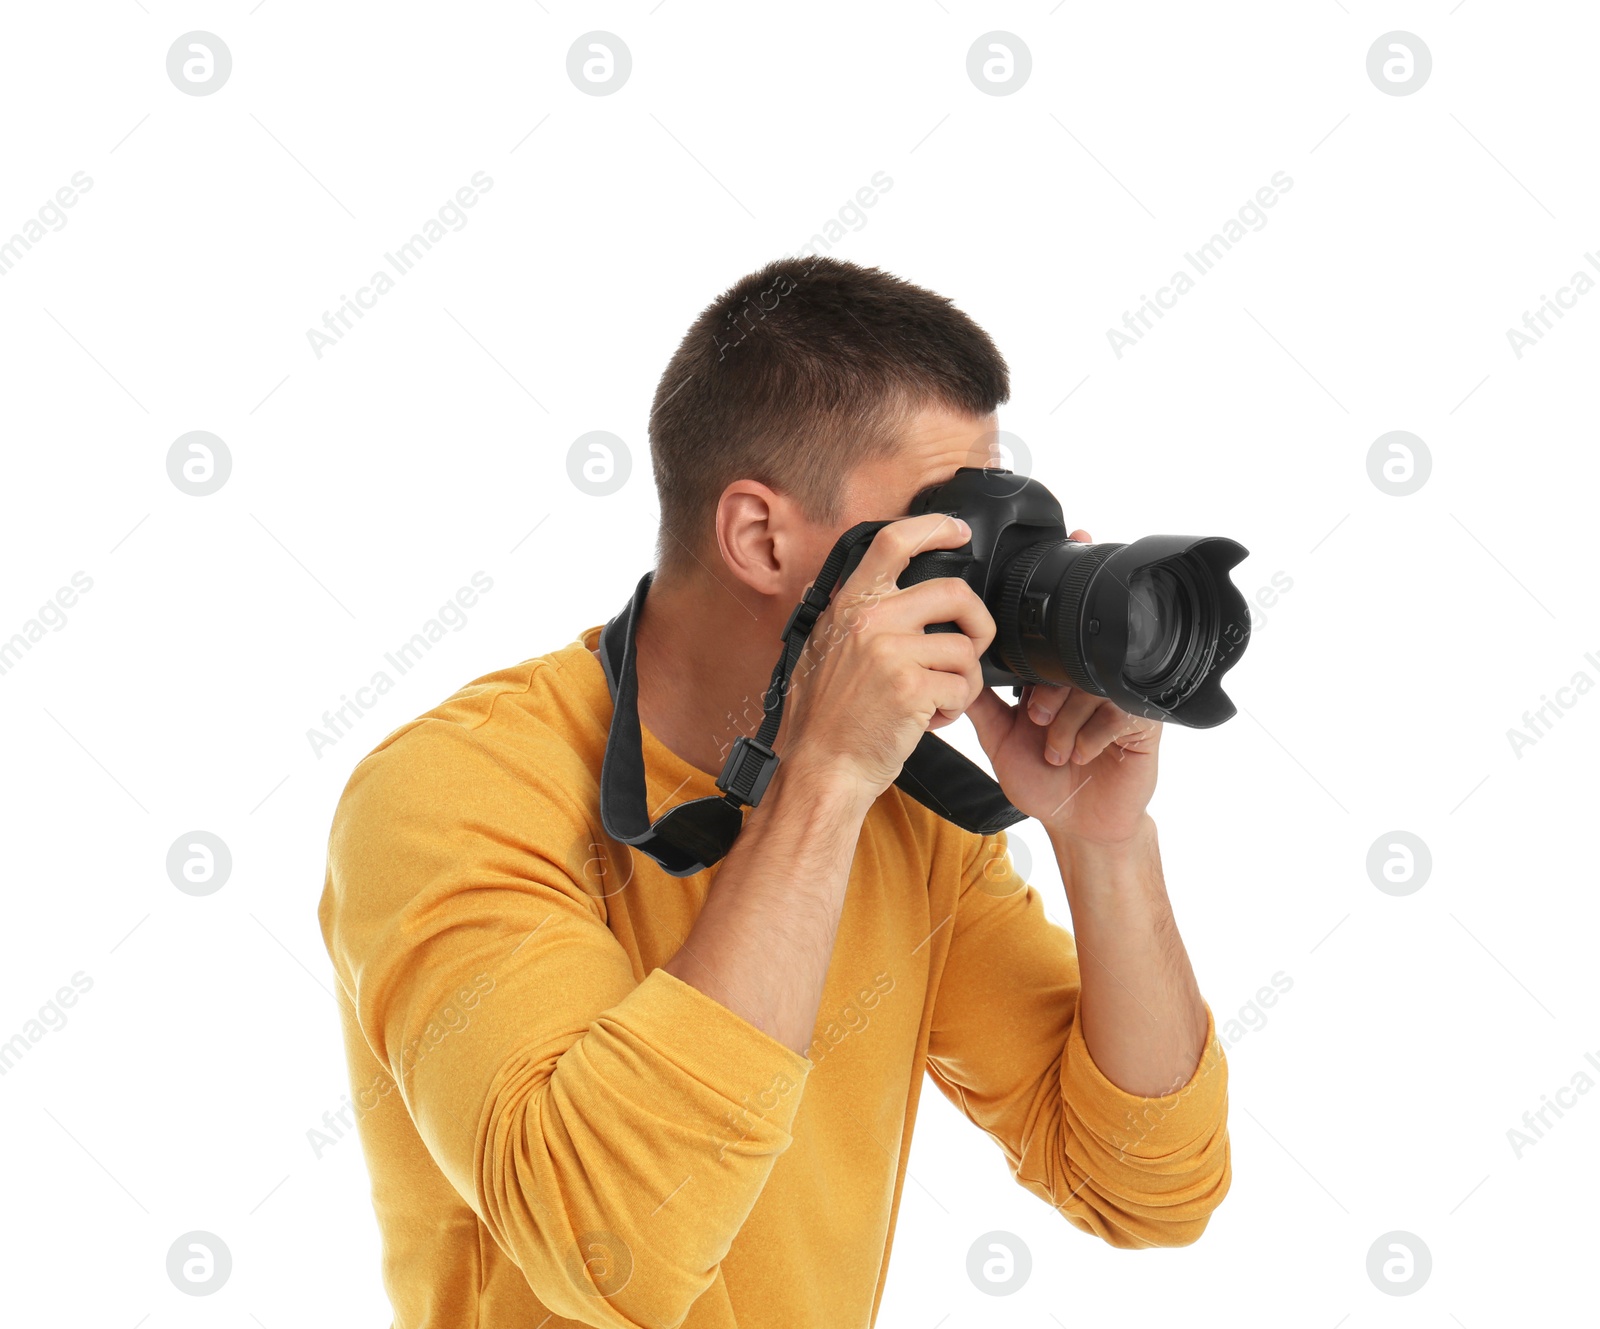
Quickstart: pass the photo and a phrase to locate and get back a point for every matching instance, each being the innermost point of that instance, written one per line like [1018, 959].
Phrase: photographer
[637, 1127]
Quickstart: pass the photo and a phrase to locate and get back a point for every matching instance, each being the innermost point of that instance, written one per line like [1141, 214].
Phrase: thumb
[992, 718]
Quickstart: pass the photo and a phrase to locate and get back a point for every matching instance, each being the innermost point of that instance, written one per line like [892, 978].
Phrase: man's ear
[754, 530]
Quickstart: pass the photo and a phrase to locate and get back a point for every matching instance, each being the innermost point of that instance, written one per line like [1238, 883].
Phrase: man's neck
[705, 656]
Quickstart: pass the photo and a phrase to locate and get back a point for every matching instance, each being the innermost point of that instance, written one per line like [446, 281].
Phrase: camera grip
[936, 563]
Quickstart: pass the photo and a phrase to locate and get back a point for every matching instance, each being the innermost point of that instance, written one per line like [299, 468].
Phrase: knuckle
[903, 688]
[851, 609]
[879, 650]
[897, 536]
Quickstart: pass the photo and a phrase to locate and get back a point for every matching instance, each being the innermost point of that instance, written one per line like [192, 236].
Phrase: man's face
[937, 443]
[933, 447]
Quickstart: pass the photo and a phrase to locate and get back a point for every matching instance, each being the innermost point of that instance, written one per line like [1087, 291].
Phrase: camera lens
[1158, 620]
[1152, 625]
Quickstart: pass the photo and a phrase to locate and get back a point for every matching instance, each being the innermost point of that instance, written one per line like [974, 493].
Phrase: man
[593, 1093]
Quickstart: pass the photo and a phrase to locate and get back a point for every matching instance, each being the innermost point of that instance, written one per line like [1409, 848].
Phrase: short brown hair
[795, 375]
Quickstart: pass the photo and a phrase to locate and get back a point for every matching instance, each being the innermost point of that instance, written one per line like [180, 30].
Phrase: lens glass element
[1159, 617]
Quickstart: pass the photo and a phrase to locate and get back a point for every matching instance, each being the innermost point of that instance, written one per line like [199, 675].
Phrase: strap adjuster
[805, 614]
[747, 771]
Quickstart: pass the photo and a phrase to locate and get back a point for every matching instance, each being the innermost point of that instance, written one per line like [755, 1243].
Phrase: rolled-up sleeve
[590, 1118]
[1007, 1048]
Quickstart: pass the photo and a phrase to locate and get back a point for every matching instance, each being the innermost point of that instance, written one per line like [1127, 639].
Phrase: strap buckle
[805, 614]
[747, 771]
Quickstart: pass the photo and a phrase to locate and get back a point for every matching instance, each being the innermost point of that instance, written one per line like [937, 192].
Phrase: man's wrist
[828, 791]
[807, 824]
[1087, 864]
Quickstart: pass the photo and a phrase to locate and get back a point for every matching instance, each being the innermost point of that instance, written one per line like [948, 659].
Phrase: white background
[369, 484]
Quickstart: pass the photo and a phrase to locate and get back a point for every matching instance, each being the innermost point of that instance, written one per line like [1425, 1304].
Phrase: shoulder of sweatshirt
[507, 766]
[555, 696]
[494, 789]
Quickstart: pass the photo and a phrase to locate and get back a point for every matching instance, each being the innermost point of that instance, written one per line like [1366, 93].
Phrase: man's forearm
[763, 941]
[1140, 1007]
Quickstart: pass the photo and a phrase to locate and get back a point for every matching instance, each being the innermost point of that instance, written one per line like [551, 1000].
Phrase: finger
[1063, 732]
[954, 654]
[993, 718]
[1045, 699]
[896, 545]
[950, 693]
[1082, 537]
[940, 600]
[1142, 735]
[1110, 724]
[951, 652]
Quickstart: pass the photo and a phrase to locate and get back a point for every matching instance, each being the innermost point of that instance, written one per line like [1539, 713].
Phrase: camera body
[1152, 625]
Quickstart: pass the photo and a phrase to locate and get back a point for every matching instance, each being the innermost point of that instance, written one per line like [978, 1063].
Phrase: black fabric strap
[944, 781]
[694, 835]
[683, 845]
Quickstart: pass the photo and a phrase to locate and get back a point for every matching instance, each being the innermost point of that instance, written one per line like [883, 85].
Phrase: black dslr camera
[1151, 625]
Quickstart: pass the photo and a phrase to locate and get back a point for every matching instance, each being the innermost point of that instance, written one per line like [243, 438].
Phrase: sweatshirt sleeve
[1007, 1049]
[592, 1119]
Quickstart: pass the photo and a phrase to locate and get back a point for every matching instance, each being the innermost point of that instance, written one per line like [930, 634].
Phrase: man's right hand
[872, 681]
[869, 685]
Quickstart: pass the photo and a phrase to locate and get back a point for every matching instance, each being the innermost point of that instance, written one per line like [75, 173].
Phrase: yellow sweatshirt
[559, 1132]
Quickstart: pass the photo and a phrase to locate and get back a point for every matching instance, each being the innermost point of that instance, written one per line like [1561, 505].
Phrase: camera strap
[694, 835]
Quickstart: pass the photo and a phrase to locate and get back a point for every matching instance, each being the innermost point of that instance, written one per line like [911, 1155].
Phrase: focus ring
[1010, 606]
[1069, 607]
